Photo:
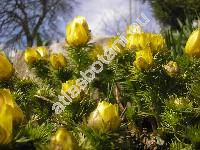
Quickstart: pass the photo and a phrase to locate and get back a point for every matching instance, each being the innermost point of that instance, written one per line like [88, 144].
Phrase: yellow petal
[132, 29]
[66, 86]
[58, 61]
[144, 41]
[105, 117]
[95, 120]
[42, 50]
[5, 123]
[192, 47]
[110, 116]
[139, 41]
[6, 68]
[31, 55]
[6, 97]
[131, 44]
[157, 42]
[63, 139]
[144, 59]
[117, 47]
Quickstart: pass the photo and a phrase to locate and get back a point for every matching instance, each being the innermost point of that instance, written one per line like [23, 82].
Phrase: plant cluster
[146, 98]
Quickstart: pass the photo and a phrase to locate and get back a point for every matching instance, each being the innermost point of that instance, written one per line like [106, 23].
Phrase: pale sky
[107, 16]
[103, 15]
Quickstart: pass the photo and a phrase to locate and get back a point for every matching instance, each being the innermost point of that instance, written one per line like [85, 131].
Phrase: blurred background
[42, 22]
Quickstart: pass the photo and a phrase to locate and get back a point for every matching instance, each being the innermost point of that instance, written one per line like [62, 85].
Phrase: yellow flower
[97, 50]
[132, 29]
[62, 140]
[171, 68]
[192, 47]
[71, 88]
[42, 50]
[182, 103]
[9, 113]
[6, 68]
[132, 41]
[144, 41]
[133, 34]
[154, 42]
[138, 41]
[105, 117]
[5, 123]
[117, 46]
[31, 55]
[6, 97]
[78, 32]
[66, 86]
[144, 59]
[58, 61]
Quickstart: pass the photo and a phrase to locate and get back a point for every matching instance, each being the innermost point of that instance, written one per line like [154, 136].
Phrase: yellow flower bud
[132, 29]
[6, 97]
[42, 50]
[31, 55]
[6, 121]
[77, 32]
[105, 117]
[179, 103]
[74, 89]
[66, 86]
[6, 68]
[58, 61]
[171, 68]
[62, 140]
[192, 47]
[144, 59]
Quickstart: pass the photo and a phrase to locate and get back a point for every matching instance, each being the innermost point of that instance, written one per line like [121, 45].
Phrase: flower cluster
[138, 51]
[145, 45]
[72, 88]
[34, 54]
